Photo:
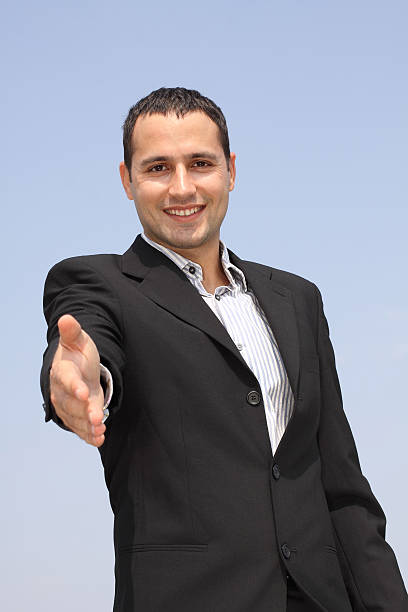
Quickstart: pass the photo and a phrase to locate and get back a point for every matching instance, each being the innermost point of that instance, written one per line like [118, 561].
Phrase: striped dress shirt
[238, 309]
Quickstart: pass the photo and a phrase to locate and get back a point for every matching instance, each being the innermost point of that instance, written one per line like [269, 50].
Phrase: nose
[181, 185]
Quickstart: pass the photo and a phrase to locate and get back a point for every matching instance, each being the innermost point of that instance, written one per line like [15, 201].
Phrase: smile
[183, 212]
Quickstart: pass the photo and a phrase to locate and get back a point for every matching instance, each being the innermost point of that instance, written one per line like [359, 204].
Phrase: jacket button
[276, 472]
[285, 551]
[253, 398]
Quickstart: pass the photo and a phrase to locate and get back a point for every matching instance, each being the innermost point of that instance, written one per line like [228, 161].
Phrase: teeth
[185, 212]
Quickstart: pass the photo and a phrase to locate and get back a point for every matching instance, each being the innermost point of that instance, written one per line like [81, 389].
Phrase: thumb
[71, 335]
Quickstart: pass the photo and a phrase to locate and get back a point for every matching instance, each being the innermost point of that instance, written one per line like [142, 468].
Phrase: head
[173, 100]
[178, 168]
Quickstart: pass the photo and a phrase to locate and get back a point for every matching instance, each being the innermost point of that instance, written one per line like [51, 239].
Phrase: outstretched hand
[75, 388]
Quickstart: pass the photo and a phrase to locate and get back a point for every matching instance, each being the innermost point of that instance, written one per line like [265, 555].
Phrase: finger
[98, 430]
[95, 440]
[69, 409]
[80, 390]
[95, 415]
[81, 425]
[83, 415]
[71, 335]
[98, 441]
[95, 408]
[93, 435]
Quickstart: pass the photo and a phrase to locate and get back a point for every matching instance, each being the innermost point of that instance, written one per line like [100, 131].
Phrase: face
[180, 180]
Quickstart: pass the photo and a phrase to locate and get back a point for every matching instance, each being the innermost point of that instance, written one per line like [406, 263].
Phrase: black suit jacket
[206, 518]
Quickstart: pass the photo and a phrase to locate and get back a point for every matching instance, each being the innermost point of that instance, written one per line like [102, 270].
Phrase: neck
[210, 261]
[208, 257]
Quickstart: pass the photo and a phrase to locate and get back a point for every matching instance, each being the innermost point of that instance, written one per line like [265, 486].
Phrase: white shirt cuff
[107, 379]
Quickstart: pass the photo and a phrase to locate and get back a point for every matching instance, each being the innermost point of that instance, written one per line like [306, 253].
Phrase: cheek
[216, 186]
[147, 194]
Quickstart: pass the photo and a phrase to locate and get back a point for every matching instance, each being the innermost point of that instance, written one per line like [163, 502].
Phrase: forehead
[172, 135]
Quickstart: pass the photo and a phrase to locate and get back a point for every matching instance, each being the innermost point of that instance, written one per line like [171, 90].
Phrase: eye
[158, 168]
[200, 163]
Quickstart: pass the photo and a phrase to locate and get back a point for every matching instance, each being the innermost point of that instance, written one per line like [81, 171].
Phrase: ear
[126, 182]
[232, 171]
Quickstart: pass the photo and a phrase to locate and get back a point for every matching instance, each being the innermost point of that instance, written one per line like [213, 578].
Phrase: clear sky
[315, 94]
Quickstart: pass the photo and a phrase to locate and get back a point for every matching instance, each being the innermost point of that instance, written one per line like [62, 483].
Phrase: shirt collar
[234, 274]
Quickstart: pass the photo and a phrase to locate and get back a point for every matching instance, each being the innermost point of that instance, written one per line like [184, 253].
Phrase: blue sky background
[315, 94]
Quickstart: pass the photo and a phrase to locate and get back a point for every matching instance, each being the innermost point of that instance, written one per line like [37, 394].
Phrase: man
[209, 386]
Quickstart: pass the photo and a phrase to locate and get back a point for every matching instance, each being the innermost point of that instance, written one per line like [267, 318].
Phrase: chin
[186, 243]
[180, 241]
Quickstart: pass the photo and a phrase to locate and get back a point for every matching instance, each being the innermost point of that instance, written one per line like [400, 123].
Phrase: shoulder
[82, 266]
[93, 276]
[301, 292]
[96, 262]
[287, 280]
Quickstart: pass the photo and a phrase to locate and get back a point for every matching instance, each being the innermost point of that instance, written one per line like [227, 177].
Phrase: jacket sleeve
[368, 563]
[75, 287]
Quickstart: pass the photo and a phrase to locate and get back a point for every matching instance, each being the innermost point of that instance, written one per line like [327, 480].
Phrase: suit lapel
[277, 303]
[166, 285]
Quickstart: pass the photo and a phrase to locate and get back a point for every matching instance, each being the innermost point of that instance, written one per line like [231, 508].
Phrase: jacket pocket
[191, 548]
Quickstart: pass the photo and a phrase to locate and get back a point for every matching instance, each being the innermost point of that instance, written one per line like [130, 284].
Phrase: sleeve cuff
[107, 385]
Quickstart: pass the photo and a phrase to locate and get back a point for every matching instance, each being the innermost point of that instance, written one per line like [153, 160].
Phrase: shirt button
[276, 472]
[240, 346]
[253, 398]
[217, 297]
[191, 270]
[285, 551]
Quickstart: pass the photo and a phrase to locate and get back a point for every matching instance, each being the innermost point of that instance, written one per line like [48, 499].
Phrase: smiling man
[208, 383]
[180, 177]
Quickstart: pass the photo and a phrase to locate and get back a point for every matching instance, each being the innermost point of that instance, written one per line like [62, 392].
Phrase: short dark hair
[176, 100]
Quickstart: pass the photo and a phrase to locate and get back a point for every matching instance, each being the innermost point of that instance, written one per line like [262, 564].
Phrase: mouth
[184, 213]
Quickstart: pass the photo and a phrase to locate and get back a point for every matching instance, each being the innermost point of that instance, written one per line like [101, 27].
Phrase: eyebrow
[166, 158]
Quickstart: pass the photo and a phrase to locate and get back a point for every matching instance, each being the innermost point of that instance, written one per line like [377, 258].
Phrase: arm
[70, 376]
[368, 563]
